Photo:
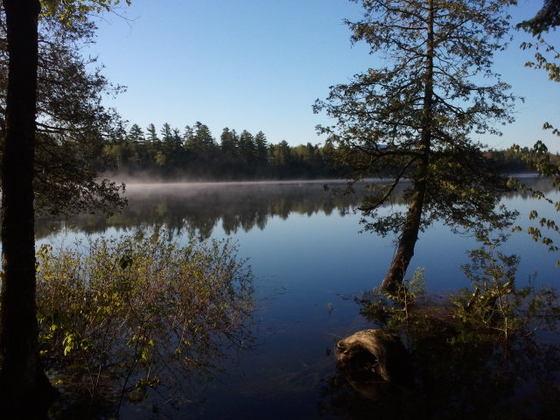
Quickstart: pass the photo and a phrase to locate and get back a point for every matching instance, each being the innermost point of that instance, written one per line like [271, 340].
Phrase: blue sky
[260, 65]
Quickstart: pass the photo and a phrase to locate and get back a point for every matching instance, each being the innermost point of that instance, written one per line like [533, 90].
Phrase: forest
[195, 154]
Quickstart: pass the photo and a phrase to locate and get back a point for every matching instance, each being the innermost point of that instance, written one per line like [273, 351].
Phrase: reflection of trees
[199, 209]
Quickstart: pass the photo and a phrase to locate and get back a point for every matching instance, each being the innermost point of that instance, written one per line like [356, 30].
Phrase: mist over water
[310, 261]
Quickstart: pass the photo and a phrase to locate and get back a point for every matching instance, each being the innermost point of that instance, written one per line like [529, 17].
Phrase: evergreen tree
[152, 134]
[136, 134]
[201, 140]
[248, 152]
[166, 133]
[230, 164]
[177, 140]
[414, 117]
[261, 148]
[187, 134]
[229, 142]
[281, 158]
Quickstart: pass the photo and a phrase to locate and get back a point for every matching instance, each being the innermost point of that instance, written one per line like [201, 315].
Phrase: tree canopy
[417, 116]
[194, 153]
[72, 122]
[547, 17]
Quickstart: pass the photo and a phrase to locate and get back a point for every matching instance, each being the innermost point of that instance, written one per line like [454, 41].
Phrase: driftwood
[374, 361]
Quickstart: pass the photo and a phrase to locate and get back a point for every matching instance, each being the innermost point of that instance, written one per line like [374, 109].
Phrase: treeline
[196, 154]
[513, 160]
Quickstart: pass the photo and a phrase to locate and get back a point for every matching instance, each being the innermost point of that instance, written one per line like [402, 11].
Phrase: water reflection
[458, 381]
[198, 209]
[491, 351]
[309, 263]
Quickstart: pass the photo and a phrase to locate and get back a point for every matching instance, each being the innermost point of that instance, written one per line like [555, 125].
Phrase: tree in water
[413, 118]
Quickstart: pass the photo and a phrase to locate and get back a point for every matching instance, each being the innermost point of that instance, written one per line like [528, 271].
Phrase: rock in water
[373, 361]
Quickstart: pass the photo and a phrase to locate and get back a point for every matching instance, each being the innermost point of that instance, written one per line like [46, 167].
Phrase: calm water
[310, 261]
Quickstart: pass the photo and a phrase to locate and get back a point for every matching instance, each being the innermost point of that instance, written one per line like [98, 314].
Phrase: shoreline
[326, 181]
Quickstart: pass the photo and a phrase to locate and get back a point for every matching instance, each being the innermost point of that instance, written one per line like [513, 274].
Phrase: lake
[310, 262]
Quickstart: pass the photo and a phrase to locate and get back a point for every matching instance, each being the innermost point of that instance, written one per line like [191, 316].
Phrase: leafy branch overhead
[72, 121]
[75, 12]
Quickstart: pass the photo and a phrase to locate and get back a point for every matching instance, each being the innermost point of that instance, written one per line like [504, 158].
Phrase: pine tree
[261, 148]
[229, 142]
[201, 140]
[166, 133]
[136, 134]
[152, 134]
[414, 117]
[248, 151]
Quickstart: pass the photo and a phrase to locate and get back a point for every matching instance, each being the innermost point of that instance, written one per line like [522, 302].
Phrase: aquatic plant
[489, 351]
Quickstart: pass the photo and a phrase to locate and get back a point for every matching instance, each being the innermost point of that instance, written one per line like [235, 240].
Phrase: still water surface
[310, 262]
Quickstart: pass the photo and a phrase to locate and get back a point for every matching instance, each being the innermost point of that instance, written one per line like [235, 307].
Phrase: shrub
[120, 316]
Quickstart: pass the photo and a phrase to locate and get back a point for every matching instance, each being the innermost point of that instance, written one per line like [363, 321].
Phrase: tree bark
[409, 235]
[407, 241]
[23, 384]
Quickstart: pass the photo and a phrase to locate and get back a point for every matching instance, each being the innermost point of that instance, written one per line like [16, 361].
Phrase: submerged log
[374, 361]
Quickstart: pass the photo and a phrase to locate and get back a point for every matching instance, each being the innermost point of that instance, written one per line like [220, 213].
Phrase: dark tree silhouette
[548, 17]
[412, 118]
[23, 384]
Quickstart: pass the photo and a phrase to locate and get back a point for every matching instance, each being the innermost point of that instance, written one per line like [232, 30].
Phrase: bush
[120, 316]
[490, 351]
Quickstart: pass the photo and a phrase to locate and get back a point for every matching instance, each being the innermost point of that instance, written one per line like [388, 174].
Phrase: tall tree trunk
[23, 385]
[409, 235]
